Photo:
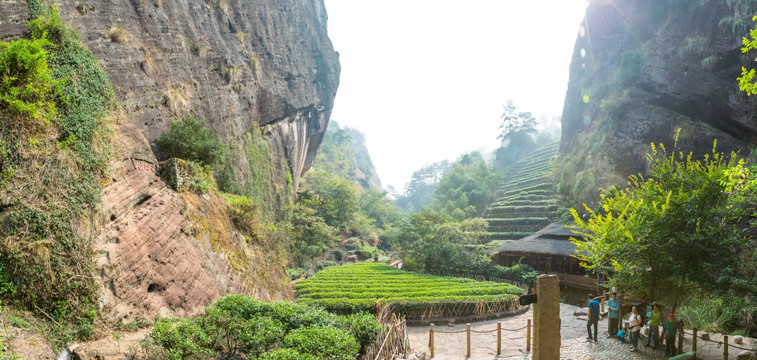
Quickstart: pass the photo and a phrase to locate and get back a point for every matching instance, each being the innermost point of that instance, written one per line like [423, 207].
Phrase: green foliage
[522, 273]
[240, 326]
[344, 154]
[285, 354]
[356, 287]
[193, 140]
[515, 125]
[179, 339]
[678, 219]
[364, 327]
[334, 198]
[382, 211]
[310, 235]
[723, 313]
[260, 182]
[467, 188]
[630, 66]
[747, 83]
[50, 179]
[295, 273]
[433, 242]
[27, 89]
[420, 190]
[323, 343]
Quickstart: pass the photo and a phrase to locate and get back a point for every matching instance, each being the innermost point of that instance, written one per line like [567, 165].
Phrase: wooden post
[725, 349]
[680, 344]
[431, 340]
[603, 304]
[528, 335]
[499, 338]
[467, 335]
[694, 341]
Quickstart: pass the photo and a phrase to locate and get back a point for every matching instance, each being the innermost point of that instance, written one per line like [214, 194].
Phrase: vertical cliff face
[247, 67]
[237, 64]
[642, 69]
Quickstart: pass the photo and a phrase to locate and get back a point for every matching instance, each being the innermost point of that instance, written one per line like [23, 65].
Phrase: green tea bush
[285, 354]
[323, 343]
[177, 340]
[356, 287]
[363, 327]
[238, 326]
[193, 140]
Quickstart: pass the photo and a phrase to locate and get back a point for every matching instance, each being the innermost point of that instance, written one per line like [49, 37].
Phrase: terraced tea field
[357, 287]
[527, 198]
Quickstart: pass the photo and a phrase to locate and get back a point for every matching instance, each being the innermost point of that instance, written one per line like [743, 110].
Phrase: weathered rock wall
[640, 70]
[234, 63]
[238, 64]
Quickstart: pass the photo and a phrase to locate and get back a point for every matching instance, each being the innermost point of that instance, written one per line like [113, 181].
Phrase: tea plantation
[527, 199]
[357, 287]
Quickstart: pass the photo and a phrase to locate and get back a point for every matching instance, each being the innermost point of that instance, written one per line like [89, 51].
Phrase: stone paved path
[574, 345]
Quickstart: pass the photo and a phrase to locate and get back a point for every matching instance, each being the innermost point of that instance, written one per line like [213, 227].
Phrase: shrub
[323, 342]
[193, 140]
[182, 339]
[324, 264]
[285, 354]
[261, 334]
[295, 273]
[27, 87]
[363, 327]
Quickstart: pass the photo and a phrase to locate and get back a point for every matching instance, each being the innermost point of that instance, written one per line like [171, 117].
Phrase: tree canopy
[668, 235]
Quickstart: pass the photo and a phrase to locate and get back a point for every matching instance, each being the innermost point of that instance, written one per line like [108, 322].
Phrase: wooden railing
[391, 342]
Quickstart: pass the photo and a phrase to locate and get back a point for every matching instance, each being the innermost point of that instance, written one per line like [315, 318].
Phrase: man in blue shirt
[593, 317]
[614, 307]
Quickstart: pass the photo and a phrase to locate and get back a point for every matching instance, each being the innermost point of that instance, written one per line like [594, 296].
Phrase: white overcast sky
[425, 80]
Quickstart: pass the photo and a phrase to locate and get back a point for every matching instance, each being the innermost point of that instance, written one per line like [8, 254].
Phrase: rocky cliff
[260, 69]
[642, 69]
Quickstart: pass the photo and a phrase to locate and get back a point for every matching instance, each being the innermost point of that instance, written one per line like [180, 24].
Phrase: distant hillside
[527, 198]
[343, 152]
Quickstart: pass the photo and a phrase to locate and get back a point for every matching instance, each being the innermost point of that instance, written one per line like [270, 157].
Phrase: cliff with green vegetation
[642, 69]
[150, 152]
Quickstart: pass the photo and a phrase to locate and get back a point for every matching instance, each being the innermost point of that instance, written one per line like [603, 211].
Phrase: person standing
[593, 317]
[670, 335]
[613, 306]
[654, 326]
[634, 324]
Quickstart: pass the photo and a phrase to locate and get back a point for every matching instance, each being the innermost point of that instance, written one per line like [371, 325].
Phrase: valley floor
[574, 344]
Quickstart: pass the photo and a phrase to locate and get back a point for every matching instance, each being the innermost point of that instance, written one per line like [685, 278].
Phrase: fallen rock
[705, 336]
[738, 340]
[746, 355]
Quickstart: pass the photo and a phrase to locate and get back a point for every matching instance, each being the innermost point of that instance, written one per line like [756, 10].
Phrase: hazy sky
[425, 80]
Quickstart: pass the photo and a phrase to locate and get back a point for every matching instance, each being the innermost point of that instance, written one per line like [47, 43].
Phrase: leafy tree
[433, 242]
[334, 198]
[667, 235]
[420, 190]
[517, 131]
[516, 124]
[376, 206]
[467, 188]
[310, 235]
[193, 140]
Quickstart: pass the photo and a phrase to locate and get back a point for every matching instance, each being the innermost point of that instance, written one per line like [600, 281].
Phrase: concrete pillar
[547, 318]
